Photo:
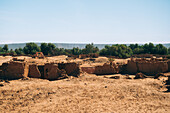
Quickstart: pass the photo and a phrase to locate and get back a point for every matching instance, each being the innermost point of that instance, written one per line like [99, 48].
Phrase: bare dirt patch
[87, 93]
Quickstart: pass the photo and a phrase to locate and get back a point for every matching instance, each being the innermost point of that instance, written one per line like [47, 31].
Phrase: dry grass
[86, 94]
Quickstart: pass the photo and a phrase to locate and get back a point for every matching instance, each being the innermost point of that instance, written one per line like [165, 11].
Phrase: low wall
[89, 69]
[14, 70]
[72, 69]
[148, 67]
[101, 69]
[34, 71]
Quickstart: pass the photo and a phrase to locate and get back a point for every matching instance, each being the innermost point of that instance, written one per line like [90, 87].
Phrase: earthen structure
[146, 66]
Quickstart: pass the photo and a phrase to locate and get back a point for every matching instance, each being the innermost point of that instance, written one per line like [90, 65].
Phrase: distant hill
[66, 45]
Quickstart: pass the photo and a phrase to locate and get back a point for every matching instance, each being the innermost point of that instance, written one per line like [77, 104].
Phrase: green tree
[121, 51]
[1, 50]
[68, 51]
[151, 48]
[133, 46]
[103, 52]
[12, 52]
[31, 48]
[89, 48]
[44, 48]
[19, 51]
[51, 48]
[138, 50]
[5, 48]
[146, 48]
[162, 50]
[76, 51]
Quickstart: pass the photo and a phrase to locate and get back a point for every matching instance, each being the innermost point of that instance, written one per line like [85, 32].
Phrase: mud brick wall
[14, 70]
[89, 70]
[34, 71]
[72, 69]
[51, 71]
[147, 67]
[105, 69]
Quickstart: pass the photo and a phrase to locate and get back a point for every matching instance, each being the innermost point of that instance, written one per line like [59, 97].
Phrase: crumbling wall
[89, 69]
[148, 67]
[72, 69]
[14, 70]
[51, 71]
[106, 69]
[34, 71]
[41, 69]
[131, 67]
[152, 68]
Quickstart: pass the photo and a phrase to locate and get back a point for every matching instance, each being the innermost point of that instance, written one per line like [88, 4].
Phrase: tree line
[117, 50]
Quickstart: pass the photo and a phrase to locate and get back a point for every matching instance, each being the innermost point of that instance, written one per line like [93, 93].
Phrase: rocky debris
[128, 77]
[6, 81]
[1, 84]
[168, 81]
[112, 76]
[140, 76]
[168, 88]
[167, 84]
[25, 78]
[158, 75]
[119, 76]
[115, 77]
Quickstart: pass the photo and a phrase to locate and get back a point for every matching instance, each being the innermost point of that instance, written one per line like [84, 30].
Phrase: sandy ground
[86, 94]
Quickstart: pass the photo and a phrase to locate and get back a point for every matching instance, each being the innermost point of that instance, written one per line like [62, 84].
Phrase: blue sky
[85, 21]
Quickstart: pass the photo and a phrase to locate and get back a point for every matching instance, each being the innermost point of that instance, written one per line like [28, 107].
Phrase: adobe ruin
[48, 69]
[14, 70]
[106, 68]
[34, 71]
[51, 71]
[146, 66]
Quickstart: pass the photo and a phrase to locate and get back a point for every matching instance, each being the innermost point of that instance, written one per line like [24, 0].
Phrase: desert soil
[86, 94]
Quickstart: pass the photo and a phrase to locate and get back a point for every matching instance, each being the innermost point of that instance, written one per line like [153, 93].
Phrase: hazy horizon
[71, 45]
[85, 21]
[86, 42]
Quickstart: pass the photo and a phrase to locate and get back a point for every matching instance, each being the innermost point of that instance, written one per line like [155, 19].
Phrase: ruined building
[148, 67]
[50, 71]
[16, 69]
[106, 68]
